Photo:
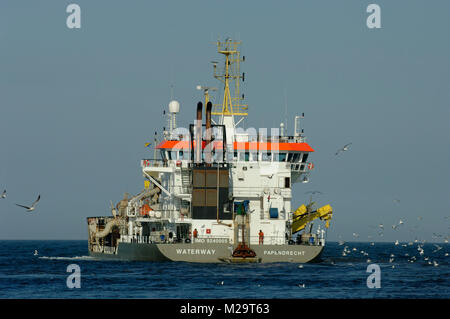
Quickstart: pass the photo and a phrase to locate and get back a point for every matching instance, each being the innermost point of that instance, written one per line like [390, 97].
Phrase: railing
[277, 240]
[254, 240]
[299, 167]
[147, 162]
[157, 214]
[103, 249]
[152, 239]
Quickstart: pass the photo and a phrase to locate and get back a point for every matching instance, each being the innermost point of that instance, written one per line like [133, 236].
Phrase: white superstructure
[260, 167]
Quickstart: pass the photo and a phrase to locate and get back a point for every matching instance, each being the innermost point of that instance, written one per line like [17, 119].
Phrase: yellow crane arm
[302, 217]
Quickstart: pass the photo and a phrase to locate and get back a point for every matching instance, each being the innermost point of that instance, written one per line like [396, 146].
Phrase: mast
[232, 99]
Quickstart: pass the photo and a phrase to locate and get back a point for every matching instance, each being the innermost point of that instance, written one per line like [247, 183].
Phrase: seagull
[437, 248]
[343, 149]
[3, 195]
[220, 283]
[396, 243]
[302, 285]
[381, 226]
[30, 209]
[35, 253]
[396, 200]
[314, 192]
[355, 235]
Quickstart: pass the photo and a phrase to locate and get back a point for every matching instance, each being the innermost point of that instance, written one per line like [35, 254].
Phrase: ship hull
[210, 253]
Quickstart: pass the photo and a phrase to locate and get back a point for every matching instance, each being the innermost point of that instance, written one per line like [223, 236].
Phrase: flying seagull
[30, 209]
[314, 192]
[343, 149]
[3, 195]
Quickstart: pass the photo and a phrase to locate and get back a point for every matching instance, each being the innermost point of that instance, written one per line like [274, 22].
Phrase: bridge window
[296, 158]
[246, 156]
[266, 157]
[305, 157]
[281, 157]
[290, 156]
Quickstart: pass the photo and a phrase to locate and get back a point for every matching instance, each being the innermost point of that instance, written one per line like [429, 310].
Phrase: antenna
[285, 109]
[231, 76]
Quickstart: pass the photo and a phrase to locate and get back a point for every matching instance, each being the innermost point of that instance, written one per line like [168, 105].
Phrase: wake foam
[68, 258]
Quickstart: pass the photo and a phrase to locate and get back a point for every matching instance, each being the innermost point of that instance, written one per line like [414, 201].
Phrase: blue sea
[409, 275]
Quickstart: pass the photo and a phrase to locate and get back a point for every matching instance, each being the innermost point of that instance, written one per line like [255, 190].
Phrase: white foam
[68, 258]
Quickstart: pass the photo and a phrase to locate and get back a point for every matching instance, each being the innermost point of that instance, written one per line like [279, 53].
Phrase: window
[290, 156]
[296, 158]
[305, 157]
[267, 157]
[246, 156]
[287, 182]
[282, 157]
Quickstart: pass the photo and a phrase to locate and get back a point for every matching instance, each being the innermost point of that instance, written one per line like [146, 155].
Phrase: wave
[68, 258]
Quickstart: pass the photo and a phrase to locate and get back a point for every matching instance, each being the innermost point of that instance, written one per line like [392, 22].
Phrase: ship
[216, 192]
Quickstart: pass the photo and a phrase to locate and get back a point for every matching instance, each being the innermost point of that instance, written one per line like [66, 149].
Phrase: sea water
[409, 275]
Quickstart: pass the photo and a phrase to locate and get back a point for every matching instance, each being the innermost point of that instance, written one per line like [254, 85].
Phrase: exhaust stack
[208, 145]
[198, 134]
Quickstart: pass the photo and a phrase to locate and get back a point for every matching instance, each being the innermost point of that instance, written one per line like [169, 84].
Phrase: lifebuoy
[310, 166]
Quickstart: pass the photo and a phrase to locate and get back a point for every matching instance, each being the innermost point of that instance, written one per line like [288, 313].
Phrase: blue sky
[77, 106]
